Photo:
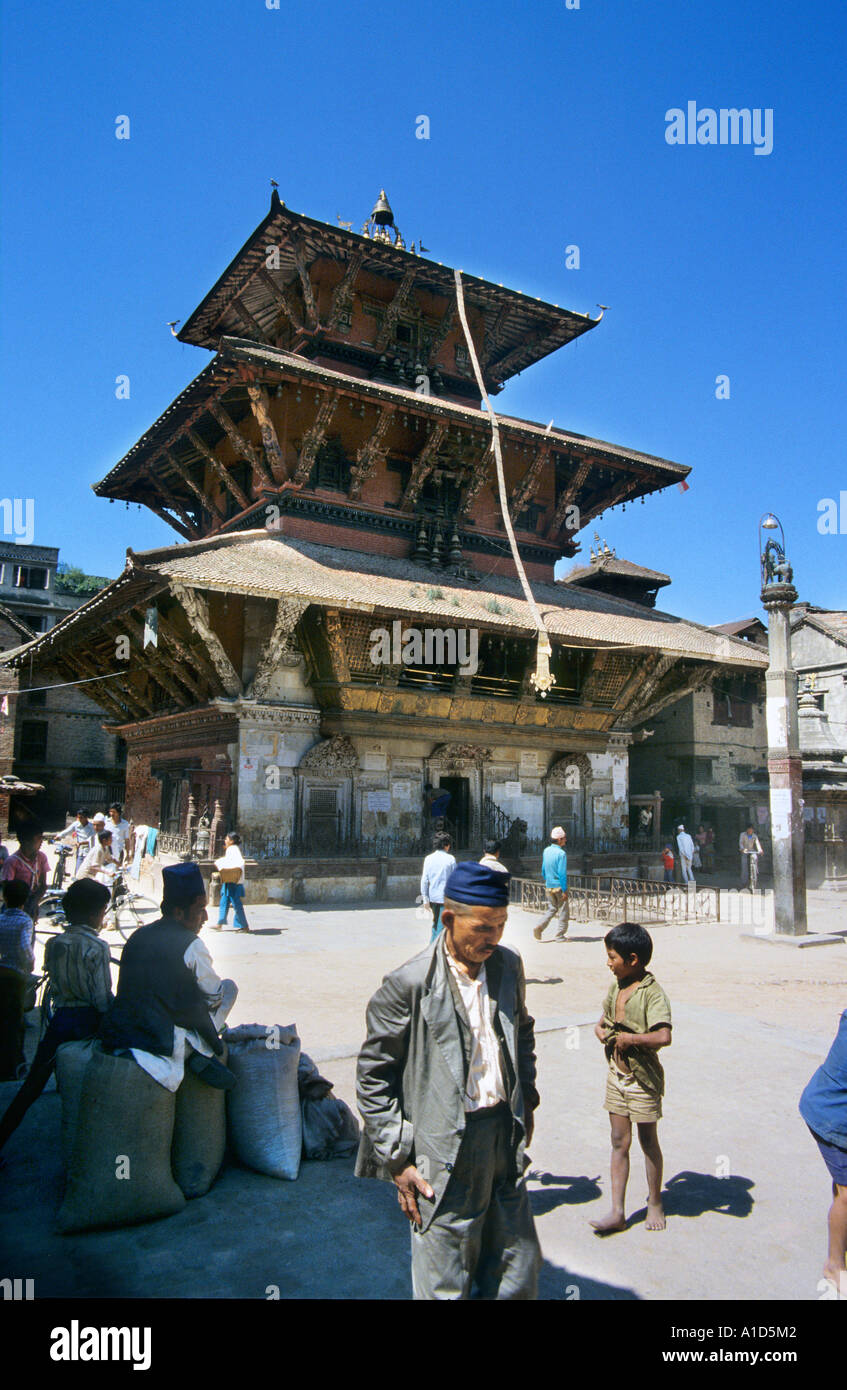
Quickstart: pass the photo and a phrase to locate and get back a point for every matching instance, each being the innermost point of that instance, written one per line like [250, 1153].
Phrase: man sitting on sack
[170, 1004]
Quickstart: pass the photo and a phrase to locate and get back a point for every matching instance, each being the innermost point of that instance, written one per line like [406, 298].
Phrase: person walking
[554, 868]
[436, 869]
[750, 848]
[446, 1090]
[491, 856]
[685, 845]
[231, 869]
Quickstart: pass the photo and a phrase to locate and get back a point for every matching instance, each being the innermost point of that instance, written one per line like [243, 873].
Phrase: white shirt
[491, 862]
[169, 1071]
[82, 834]
[485, 1074]
[232, 859]
[119, 835]
[437, 868]
[95, 862]
[685, 844]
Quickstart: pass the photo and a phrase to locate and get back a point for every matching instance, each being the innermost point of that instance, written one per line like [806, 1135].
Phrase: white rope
[544, 647]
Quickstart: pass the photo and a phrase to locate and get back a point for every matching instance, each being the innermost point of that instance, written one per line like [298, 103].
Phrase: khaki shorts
[626, 1096]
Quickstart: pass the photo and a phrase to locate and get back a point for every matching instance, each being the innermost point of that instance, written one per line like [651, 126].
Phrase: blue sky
[547, 129]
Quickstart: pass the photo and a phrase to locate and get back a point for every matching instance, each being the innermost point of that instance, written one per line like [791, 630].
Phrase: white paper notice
[618, 783]
[780, 810]
[512, 788]
[379, 801]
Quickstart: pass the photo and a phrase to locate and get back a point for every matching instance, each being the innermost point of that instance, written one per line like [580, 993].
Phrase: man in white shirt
[685, 845]
[446, 1088]
[120, 829]
[492, 856]
[232, 888]
[81, 833]
[748, 845]
[437, 868]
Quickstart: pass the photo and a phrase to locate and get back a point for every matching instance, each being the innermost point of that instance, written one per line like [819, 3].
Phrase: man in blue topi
[446, 1089]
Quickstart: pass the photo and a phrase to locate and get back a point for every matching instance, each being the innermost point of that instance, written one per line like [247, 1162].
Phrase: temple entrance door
[459, 810]
[171, 801]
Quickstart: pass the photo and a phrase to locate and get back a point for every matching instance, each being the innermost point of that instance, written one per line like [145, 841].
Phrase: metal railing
[173, 842]
[394, 846]
[605, 897]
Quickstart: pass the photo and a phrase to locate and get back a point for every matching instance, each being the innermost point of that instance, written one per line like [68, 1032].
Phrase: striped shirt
[17, 934]
[78, 965]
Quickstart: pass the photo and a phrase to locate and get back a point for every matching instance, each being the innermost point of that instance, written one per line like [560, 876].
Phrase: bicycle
[62, 855]
[132, 905]
[754, 872]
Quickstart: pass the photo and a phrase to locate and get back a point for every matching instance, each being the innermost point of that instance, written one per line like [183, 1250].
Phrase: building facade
[339, 636]
[53, 733]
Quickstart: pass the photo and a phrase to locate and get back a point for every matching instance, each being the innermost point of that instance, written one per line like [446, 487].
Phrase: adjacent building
[52, 733]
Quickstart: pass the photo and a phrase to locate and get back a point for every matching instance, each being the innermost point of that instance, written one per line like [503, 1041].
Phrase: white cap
[557, 833]
[98, 816]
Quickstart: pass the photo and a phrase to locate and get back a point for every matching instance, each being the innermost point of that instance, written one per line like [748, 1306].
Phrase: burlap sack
[71, 1060]
[120, 1166]
[199, 1142]
[263, 1110]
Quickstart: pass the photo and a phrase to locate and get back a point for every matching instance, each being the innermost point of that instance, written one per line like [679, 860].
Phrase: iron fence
[605, 897]
[173, 842]
[391, 846]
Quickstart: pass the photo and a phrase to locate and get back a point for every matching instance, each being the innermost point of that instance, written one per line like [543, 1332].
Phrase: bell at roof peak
[382, 214]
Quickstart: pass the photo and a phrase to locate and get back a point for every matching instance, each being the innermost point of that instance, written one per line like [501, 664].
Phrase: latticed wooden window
[608, 677]
[357, 631]
[332, 467]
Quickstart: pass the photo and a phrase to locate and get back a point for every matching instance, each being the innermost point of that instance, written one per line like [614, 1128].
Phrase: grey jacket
[413, 1066]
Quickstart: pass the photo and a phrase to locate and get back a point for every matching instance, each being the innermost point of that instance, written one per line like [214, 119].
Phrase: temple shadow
[549, 980]
[693, 1194]
[562, 1191]
[267, 931]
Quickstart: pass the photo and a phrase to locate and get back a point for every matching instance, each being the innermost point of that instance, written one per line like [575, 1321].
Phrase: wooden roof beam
[192, 659]
[305, 281]
[196, 611]
[221, 472]
[395, 308]
[569, 496]
[620, 494]
[282, 296]
[314, 438]
[442, 332]
[477, 482]
[342, 299]
[423, 465]
[261, 407]
[528, 484]
[372, 453]
[205, 501]
[256, 329]
[187, 528]
[492, 338]
[171, 671]
[243, 447]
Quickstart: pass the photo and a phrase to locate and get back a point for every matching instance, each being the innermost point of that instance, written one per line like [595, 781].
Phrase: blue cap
[475, 883]
[181, 883]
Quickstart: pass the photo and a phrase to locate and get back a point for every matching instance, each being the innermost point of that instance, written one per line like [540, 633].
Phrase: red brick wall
[299, 528]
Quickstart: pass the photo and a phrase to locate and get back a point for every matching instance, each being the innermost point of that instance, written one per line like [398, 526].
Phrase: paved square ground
[747, 1193]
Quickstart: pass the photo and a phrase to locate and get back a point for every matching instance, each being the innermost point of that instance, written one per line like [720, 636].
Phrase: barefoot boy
[636, 1022]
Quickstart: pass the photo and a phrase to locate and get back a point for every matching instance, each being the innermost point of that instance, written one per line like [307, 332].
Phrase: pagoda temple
[329, 476]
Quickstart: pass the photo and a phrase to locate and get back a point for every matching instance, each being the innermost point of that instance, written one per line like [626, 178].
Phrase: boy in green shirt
[636, 1022]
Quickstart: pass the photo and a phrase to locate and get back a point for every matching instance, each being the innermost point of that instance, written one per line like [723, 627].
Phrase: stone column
[785, 767]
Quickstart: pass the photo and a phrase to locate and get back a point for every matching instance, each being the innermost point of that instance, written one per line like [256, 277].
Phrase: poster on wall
[379, 801]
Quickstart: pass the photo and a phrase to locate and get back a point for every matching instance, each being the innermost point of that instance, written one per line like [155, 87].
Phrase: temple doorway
[458, 817]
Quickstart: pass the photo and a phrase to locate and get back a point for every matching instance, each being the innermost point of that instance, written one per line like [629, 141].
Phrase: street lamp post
[785, 767]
